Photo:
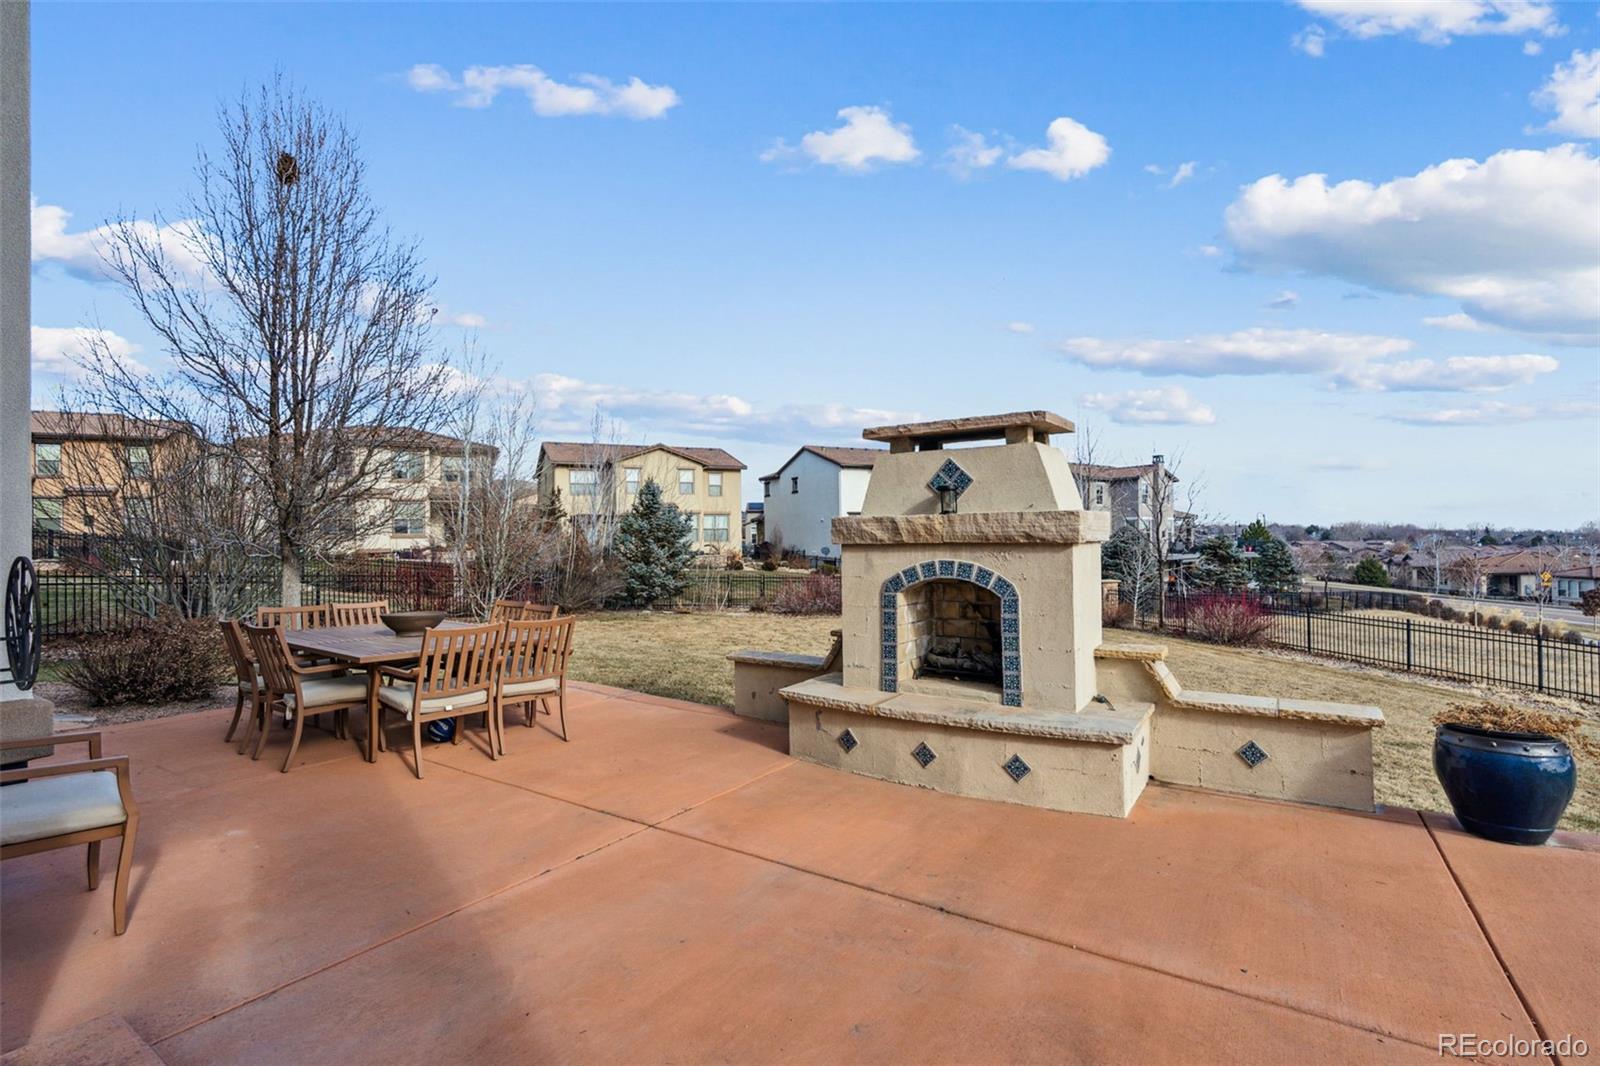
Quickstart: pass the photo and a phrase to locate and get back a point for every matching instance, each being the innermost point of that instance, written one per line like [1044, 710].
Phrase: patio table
[367, 647]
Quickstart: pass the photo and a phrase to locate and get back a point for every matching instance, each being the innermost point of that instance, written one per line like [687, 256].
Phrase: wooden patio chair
[522, 611]
[455, 678]
[302, 691]
[310, 616]
[247, 677]
[536, 668]
[369, 613]
[59, 805]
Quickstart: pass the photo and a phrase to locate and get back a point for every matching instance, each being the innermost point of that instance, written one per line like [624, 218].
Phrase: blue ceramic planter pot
[1510, 787]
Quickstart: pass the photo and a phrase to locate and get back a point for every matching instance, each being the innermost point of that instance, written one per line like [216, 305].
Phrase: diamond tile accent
[923, 754]
[1017, 768]
[950, 475]
[848, 741]
[1253, 754]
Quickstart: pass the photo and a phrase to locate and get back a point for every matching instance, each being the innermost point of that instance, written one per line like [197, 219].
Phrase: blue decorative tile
[894, 584]
[1011, 699]
[964, 571]
[1015, 767]
[928, 570]
[983, 577]
[947, 568]
[1009, 623]
[1003, 588]
[950, 475]
[910, 575]
[923, 754]
[1253, 754]
[890, 652]
[848, 741]
[1011, 663]
[888, 601]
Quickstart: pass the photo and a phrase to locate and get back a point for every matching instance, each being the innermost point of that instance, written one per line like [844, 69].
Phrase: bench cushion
[399, 696]
[351, 688]
[66, 803]
[542, 687]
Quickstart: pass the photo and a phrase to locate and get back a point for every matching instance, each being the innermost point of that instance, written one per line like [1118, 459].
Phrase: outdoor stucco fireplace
[969, 657]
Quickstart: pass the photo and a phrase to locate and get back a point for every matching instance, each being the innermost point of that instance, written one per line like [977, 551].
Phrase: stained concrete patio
[671, 886]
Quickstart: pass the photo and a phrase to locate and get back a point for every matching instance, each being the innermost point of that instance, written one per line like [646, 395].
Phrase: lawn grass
[683, 656]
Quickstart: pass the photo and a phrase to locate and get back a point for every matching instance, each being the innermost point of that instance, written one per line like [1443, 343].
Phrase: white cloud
[1345, 466]
[1210, 251]
[566, 405]
[464, 319]
[1074, 150]
[591, 95]
[80, 253]
[1573, 93]
[1458, 323]
[59, 349]
[1286, 300]
[1458, 373]
[1019, 327]
[1497, 413]
[1313, 41]
[1169, 406]
[868, 136]
[971, 152]
[1184, 172]
[1155, 168]
[1531, 48]
[1437, 21]
[1511, 239]
[1246, 351]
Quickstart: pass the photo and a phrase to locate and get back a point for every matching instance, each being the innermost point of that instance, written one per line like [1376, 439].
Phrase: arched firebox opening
[954, 621]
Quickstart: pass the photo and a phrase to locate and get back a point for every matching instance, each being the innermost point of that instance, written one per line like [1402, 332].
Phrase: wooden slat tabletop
[362, 645]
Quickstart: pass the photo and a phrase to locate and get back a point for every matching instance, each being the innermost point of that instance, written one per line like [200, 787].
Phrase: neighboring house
[419, 480]
[1429, 568]
[92, 472]
[1129, 494]
[1516, 574]
[817, 484]
[596, 480]
[1570, 584]
[755, 525]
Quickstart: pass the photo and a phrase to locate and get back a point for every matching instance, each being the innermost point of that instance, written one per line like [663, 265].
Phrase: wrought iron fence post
[1539, 644]
[1308, 631]
[1408, 645]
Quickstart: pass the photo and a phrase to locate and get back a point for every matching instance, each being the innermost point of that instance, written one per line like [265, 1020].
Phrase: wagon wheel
[22, 623]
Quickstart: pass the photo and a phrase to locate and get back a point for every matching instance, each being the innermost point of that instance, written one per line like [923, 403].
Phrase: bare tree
[296, 327]
[1470, 569]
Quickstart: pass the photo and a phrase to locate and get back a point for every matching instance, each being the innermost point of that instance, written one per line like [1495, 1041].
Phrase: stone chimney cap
[1018, 427]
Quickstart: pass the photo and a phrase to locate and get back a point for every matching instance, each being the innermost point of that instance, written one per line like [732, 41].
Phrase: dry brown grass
[682, 656]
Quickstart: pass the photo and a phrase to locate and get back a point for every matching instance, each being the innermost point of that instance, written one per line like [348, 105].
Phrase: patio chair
[536, 668]
[522, 611]
[246, 676]
[59, 805]
[369, 613]
[455, 678]
[312, 616]
[302, 691]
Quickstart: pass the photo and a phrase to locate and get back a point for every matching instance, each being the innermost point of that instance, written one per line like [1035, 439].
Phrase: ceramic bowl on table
[407, 623]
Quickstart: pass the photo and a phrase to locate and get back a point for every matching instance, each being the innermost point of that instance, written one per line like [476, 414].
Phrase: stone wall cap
[1142, 652]
[978, 527]
[756, 657]
[979, 427]
[1353, 714]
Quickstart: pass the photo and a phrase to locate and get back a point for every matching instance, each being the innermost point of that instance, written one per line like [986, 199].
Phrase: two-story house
[92, 472]
[1134, 496]
[814, 486]
[418, 478]
[601, 480]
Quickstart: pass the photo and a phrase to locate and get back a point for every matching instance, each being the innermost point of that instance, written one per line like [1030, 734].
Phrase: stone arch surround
[952, 570]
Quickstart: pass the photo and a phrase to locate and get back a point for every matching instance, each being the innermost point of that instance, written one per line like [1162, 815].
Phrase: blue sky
[803, 220]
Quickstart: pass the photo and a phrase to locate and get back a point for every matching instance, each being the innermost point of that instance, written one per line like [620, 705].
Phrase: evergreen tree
[653, 542]
[1220, 567]
[1255, 534]
[1370, 571]
[1128, 558]
[1275, 569]
[552, 513]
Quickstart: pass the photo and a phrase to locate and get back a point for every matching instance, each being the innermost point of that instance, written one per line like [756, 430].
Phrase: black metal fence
[711, 589]
[1539, 661]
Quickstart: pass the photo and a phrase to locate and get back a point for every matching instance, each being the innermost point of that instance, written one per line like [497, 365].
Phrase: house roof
[849, 457]
[1525, 562]
[94, 425]
[1100, 472]
[401, 437]
[1579, 571]
[575, 453]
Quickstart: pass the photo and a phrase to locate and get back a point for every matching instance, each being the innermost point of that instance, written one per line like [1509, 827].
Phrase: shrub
[163, 659]
[759, 605]
[769, 564]
[816, 593]
[1370, 571]
[1435, 609]
[827, 568]
[1572, 636]
[1517, 625]
[1313, 601]
[1228, 619]
[735, 563]
[1116, 614]
[1493, 621]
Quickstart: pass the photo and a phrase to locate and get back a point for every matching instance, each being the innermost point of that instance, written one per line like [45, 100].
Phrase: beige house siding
[713, 496]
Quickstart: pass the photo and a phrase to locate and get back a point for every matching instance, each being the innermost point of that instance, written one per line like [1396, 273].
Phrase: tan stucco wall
[1012, 477]
[756, 685]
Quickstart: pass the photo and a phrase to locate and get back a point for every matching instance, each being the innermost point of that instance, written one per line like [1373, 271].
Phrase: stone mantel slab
[997, 527]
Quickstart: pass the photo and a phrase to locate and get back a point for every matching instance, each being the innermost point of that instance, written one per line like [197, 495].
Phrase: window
[794, 486]
[716, 529]
[694, 524]
[47, 514]
[685, 482]
[1099, 494]
[630, 477]
[138, 460]
[410, 517]
[137, 512]
[1144, 491]
[47, 460]
[408, 466]
[713, 484]
[766, 490]
[583, 482]
[453, 468]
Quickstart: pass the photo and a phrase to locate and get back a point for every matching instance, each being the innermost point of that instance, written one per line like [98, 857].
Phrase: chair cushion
[67, 803]
[349, 688]
[542, 687]
[244, 686]
[399, 696]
